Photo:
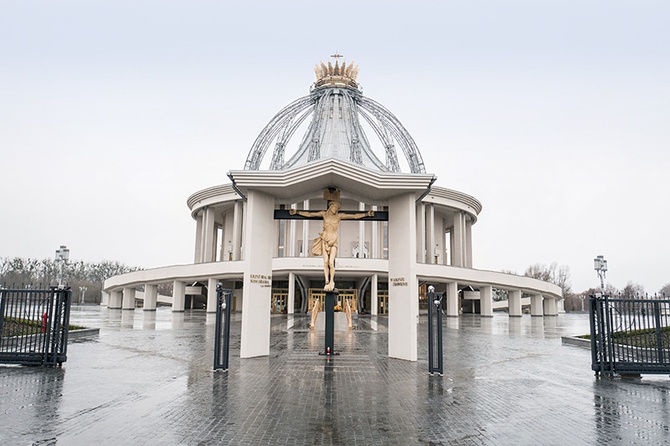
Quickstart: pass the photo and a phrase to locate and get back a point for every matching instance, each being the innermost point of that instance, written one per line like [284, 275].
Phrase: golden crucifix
[326, 243]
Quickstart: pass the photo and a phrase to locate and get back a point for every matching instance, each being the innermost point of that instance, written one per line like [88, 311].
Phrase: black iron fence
[629, 336]
[34, 326]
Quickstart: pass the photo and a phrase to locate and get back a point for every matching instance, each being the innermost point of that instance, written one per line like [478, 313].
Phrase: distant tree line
[24, 273]
[18, 272]
[560, 275]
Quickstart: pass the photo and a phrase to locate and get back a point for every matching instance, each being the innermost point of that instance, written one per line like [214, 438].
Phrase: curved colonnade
[435, 225]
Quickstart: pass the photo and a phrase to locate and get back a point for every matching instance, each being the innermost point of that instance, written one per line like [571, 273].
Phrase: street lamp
[600, 265]
[62, 256]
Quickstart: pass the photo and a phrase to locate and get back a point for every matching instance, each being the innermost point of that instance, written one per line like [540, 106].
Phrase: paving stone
[148, 380]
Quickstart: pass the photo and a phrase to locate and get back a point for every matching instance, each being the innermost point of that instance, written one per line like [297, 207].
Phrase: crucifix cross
[336, 55]
[285, 214]
[327, 242]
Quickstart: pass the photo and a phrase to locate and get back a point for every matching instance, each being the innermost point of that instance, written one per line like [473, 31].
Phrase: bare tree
[633, 290]
[20, 272]
[553, 274]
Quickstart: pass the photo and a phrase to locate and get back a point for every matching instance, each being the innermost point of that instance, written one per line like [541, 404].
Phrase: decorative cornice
[442, 193]
[211, 192]
[291, 184]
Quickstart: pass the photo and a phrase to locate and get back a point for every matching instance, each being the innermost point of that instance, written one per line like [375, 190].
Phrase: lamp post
[600, 265]
[62, 256]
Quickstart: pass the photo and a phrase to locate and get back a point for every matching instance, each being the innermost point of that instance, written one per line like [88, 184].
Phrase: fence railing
[34, 326]
[629, 336]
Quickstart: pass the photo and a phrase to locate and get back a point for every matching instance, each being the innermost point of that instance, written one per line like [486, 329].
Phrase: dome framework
[336, 106]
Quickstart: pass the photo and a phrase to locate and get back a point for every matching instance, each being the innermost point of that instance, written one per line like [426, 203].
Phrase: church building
[250, 236]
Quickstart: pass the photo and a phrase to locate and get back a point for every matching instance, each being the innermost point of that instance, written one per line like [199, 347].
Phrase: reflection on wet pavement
[147, 379]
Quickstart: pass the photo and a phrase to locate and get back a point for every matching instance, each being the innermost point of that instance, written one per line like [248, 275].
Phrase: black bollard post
[222, 329]
[330, 322]
[435, 362]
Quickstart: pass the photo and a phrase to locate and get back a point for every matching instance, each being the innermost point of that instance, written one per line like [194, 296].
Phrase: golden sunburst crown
[340, 75]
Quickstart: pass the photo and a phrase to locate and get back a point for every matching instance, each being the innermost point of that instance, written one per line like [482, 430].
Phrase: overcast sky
[554, 114]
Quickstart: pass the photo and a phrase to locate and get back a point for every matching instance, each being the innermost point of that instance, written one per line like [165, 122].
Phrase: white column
[257, 289]
[560, 306]
[128, 299]
[290, 305]
[420, 233]
[115, 300]
[244, 230]
[361, 232]
[430, 233]
[457, 240]
[374, 238]
[374, 298]
[221, 242]
[468, 241]
[203, 241]
[219, 245]
[452, 300]
[198, 237]
[514, 303]
[178, 296]
[306, 247]
[403, 305]
[211, 294]
[486, 301]
[443, 241]
[237, 230]
[292, 240]
[227, 241]
[536, 307]
[208, 236]
[214, 236]
[550, 307]
[150, 297]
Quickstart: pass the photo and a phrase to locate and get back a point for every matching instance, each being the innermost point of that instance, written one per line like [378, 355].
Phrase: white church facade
[423, 235]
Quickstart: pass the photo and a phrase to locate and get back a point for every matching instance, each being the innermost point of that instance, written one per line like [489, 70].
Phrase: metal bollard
[435, 361]
[222, 331]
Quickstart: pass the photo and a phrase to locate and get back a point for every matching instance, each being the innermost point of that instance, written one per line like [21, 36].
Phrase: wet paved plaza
[147, 379]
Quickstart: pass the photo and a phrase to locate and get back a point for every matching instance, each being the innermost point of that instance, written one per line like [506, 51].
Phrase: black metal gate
[222, 331]
[34, 326]
[629, 336]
